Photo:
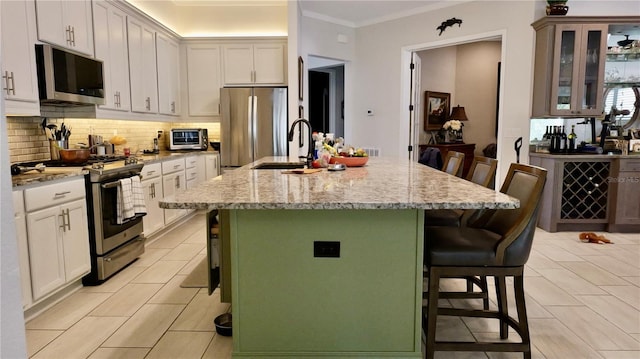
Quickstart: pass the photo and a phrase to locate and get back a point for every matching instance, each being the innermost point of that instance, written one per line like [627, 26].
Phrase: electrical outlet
[323, 249]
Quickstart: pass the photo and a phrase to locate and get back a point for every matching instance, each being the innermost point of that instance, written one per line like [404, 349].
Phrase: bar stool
[497, 244]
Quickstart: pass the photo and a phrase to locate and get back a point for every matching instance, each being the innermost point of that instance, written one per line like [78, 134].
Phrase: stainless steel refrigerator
[253, 125]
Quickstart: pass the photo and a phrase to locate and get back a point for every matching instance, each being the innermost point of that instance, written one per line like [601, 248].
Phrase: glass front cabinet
[569, 68]
[578, 74]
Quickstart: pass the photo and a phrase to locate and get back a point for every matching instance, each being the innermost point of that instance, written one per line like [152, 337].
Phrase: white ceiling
[353, 13]
[356, 13]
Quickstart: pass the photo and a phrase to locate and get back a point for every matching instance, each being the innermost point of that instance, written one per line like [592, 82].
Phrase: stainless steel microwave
[188, 139]
[68, 78]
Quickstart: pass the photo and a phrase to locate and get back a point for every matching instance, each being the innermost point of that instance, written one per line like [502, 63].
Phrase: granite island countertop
[384, 183]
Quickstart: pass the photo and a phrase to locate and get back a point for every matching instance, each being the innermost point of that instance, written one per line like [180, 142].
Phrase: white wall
[334, 42]
[12, 333]
[379, 70]
[476, 90]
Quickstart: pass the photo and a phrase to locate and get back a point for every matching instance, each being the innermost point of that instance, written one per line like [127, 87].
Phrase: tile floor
[583, 301]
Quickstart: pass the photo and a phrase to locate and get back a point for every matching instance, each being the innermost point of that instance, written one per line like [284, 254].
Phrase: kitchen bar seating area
[580, 301]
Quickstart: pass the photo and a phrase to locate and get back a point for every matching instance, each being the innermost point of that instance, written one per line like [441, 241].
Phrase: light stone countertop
[384, 183]
[584, 156]
[49, 174]
[52, 173]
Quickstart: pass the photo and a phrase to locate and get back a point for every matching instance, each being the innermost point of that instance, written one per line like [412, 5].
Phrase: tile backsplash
[28, 142]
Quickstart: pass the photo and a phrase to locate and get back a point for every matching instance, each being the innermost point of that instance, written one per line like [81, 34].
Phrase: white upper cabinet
[142, 66]
[203, 79]
[168, 75]
[66, 23]
[111, 47]
[19, 76]
[248, 64]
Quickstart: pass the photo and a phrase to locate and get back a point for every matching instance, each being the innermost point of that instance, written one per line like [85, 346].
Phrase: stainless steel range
[113, 245]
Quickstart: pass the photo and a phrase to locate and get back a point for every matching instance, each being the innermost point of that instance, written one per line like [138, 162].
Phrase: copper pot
[74, 156]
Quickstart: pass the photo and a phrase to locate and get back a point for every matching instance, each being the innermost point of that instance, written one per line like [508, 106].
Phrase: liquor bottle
[572, 139]
[563, 142]
[552, 149]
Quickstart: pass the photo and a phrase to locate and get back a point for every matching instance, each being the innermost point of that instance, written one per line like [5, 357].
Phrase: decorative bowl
[350, 161]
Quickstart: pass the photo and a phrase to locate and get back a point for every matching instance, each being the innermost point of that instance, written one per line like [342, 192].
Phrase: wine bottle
[572, 139]
[563, 142]
[546, 134]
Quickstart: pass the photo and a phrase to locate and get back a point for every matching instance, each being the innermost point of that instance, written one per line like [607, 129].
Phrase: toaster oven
[188, 139]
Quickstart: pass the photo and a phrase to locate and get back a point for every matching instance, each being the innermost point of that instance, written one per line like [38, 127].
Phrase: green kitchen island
[327, 264]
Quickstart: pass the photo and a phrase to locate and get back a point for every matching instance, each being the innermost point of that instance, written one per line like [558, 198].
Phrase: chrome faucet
[293, 126]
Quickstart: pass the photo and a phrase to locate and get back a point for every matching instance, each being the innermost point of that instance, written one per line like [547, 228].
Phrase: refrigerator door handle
[254, 122]
[250, 127]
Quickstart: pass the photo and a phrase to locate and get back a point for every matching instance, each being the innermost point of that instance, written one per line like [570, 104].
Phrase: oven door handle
[110, 184]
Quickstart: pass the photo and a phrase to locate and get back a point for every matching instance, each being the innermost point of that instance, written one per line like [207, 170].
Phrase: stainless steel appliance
[188, 139]
[113, 245]
[68, 78]
[254, 124]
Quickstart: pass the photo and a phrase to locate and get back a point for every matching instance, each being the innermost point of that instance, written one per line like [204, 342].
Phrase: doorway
[482, 105]
[326, 96]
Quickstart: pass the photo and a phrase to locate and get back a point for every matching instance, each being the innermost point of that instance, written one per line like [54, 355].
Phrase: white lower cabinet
[152, 188]
[58, 237]
[23, 248]
[195, 172]
[173, 180]
[211, 166]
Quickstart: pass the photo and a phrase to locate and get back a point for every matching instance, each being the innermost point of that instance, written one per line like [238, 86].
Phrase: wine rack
[585, 190]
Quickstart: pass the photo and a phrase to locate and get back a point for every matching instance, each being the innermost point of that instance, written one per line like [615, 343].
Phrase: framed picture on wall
[437, 108]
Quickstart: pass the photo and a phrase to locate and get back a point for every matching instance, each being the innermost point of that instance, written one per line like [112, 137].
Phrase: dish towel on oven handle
[124, 203]
[139, 207]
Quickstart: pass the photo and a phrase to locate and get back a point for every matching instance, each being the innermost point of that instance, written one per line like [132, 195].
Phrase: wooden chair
[496, 244]
[454, 163]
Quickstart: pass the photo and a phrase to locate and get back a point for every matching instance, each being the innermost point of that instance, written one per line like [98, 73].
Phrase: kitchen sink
[278, 165]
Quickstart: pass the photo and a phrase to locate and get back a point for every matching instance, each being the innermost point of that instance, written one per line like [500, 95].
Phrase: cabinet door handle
[148, 103]
[152, 190]
[13, 84]
[73, 36]
[61, 194]
[6, 82]
[9, 83]
[68, 31]
[68, 219]
[177, 182]
[173, 107]
[64, 222]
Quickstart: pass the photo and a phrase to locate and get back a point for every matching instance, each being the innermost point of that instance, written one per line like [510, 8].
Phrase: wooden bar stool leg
[432, 312]
[518, 286]
[501, 292]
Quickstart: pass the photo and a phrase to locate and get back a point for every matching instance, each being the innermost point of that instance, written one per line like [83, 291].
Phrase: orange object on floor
[590, 237]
